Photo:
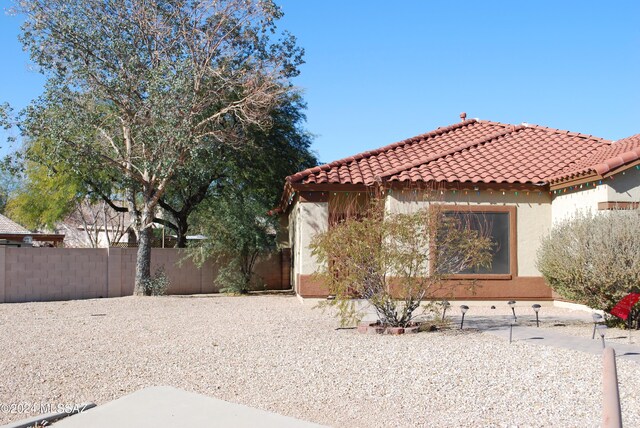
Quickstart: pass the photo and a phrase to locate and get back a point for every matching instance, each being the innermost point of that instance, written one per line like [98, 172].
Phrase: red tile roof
[479, 151]
[607, 159]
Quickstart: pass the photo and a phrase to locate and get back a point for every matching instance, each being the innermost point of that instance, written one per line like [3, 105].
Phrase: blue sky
[378, 71]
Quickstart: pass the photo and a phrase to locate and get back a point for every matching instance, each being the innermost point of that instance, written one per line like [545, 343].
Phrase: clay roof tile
[480, 151]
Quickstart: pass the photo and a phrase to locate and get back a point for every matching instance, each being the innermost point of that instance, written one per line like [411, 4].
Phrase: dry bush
[389, 258]
[593, 259]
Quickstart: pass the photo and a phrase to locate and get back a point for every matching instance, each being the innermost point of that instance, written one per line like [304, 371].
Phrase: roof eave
[594, 174]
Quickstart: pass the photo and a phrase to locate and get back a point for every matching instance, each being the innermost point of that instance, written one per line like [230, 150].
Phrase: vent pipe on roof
[463, 116]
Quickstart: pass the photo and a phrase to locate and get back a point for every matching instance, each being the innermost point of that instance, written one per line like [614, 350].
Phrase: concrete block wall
[44, 274]
[184, 276]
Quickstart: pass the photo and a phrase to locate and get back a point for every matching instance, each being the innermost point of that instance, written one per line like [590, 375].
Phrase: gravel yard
[274, 353]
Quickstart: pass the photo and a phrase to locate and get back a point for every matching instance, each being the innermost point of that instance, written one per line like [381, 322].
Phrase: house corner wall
[625, 187]
[311, 218]
[567, 204]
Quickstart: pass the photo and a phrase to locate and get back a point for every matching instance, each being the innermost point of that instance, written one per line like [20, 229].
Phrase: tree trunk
[183, 227]
[143, 259]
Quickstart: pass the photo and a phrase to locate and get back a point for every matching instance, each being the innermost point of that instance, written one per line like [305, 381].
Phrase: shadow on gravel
[271, 293]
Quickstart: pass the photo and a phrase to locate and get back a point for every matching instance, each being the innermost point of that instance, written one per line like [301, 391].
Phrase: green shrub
[157, 285]
[238, 233]
[232, 278]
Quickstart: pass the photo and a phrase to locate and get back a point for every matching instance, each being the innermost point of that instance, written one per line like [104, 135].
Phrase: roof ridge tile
[570, 133]
[552, 130]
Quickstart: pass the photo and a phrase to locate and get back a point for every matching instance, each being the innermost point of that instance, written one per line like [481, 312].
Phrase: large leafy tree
[55, 186]
[139, 90]
[233, 217]
[8, 183]
[9, 177]
[43, 198]
[258, 167]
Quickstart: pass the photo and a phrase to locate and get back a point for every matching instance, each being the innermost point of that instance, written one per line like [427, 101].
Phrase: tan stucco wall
[313, 218]
[533, 216]
[294, 245]
[625, 187]
[567, 204]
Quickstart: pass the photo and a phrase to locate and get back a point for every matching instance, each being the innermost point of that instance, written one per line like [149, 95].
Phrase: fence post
[611, 411]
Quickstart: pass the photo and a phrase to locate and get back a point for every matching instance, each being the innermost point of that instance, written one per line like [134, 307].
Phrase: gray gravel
[273, 353]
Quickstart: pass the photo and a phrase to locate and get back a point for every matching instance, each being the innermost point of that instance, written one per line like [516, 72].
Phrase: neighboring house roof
[12, 231]
[475, 151]
[10, 227]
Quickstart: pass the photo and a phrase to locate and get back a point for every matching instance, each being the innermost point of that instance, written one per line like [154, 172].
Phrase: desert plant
[238, 232]
[233, 278]
[593, 259]
[392, 261]
[157, 285]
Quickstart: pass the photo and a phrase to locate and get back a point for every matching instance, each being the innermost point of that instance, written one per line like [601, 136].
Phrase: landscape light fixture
[511, 324]
[512, 305]
[602, 330]
[463, 309]
[445, 306]
[597, 319]
[536, 307]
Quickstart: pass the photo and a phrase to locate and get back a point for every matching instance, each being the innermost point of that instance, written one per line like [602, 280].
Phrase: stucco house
[96, 225]
[526, 177]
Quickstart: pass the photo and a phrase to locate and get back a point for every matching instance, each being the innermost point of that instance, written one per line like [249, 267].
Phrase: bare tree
[95, 224]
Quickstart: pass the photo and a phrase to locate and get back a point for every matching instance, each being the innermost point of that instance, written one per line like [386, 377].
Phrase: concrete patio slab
[164, 407]
[546, 337]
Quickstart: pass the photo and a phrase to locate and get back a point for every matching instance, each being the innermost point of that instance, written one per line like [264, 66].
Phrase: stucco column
[312, 218]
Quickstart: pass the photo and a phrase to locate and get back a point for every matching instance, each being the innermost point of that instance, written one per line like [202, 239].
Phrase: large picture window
[497, 223]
